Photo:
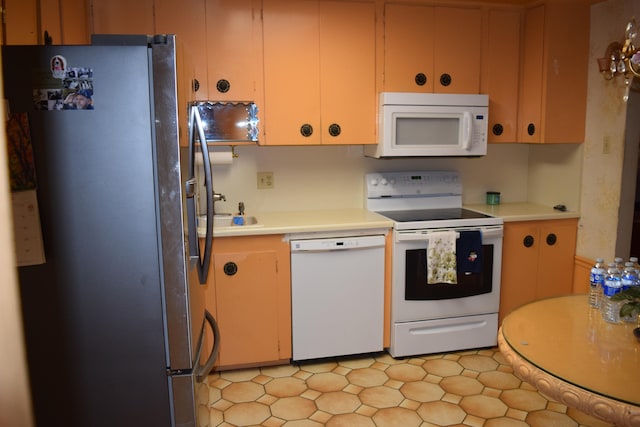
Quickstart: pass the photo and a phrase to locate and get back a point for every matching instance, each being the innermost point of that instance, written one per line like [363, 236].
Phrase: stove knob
[374, 181]
[392, 181]
[384, 181]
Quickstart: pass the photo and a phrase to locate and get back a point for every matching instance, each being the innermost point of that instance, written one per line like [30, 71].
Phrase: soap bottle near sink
[238, 219]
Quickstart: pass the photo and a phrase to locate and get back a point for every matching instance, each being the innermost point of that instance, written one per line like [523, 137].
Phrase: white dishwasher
[337, 296]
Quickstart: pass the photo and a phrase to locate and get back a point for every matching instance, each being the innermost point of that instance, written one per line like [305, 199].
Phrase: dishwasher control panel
[334, 244]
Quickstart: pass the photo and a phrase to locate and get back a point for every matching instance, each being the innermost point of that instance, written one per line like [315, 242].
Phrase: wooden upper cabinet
[554, 72]
[408, 48]
[501, 72]
[291, 72]
[432, 49]
[122, 16]
[186, 19]
[234, 50]
[347, 72]
[319, 72]
[65, 22]
[21, 22]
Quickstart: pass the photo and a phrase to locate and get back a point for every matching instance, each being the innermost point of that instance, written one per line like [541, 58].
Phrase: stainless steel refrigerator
[114, 314]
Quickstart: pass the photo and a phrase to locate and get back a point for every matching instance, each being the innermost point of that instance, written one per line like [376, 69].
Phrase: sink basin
[250, 220]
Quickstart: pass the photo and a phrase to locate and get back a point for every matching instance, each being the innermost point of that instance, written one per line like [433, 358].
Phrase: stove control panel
[412, 184]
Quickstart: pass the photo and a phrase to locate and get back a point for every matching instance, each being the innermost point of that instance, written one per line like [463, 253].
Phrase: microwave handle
[466, 130]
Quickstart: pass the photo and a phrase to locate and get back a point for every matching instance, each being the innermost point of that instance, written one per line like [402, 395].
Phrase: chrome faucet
[216, 198]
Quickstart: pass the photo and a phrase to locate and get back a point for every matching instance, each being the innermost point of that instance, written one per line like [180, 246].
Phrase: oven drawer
[439, 335]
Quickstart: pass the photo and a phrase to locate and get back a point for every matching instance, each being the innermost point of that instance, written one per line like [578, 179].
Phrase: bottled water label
[611, 288]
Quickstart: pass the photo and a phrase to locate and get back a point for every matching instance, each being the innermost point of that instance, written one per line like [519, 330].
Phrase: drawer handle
[421, 79]
[306, 130]
[528, 241]
[223, 85]
[230, 268]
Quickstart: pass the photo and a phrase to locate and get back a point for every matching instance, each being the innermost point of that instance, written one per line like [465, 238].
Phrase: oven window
[416, 287]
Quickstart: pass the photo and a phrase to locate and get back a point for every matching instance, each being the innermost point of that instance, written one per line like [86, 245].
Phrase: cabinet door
[122, 17]
[291, 72]
[557, 252]
[554, 73]
[529, 118]
[186, 19]
[519, 265]
[234, 51]
[501, 73]
[347, 72]
[408, 48]
[457, 50]
[20, 22]
[566, 68]
[247, 307]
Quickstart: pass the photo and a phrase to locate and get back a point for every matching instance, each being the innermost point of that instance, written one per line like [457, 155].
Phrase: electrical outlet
[265, 180]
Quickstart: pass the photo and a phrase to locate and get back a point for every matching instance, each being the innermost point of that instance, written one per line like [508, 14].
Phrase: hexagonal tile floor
[469, 388]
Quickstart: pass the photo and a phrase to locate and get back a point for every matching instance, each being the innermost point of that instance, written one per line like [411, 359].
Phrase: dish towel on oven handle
[441, 257]
[469, 252]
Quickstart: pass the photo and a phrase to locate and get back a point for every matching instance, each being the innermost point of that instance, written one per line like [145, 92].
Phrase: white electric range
[432, 318]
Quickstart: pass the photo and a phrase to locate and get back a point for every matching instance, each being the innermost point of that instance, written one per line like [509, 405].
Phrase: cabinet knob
[421, 79]
[528, 241]
[230, 268]
[551, 239]
[531, 129]
[195, 85]
[497, 129]
[445, 79]
[306, 130]
[334, 129]
[223, 86]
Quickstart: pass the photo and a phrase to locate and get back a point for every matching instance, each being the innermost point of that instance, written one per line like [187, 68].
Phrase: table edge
[619, 413]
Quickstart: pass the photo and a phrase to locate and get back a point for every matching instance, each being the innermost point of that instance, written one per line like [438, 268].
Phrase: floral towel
[441, 258]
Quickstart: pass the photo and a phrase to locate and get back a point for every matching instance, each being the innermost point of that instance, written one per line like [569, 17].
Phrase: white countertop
[522, 211]
[340, 220]
[289, 222]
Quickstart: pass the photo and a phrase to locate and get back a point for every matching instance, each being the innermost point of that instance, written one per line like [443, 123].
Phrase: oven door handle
[415, 235]
[423, 235]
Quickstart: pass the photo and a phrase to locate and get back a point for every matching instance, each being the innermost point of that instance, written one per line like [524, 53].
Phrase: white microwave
[431, 124]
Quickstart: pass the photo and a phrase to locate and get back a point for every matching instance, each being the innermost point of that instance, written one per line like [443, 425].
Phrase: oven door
[414, 299]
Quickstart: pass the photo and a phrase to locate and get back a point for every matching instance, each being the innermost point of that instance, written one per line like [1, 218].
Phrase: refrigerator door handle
[203, 260]
[203, 370]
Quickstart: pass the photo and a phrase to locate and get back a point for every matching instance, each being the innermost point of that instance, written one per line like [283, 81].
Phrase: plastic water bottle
[612, 285]
[596, 281]
[629, 276]
[630, 279]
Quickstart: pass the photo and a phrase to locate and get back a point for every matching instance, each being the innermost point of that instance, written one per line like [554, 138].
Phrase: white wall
[318, 177]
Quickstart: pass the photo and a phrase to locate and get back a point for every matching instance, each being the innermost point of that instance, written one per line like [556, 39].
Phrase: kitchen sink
[250, 220]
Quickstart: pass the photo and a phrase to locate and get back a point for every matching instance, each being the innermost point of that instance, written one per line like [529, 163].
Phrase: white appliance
[431, 318]
[429, 124]
[337, 296]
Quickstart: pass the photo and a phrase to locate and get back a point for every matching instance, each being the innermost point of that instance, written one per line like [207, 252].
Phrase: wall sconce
[622, 59]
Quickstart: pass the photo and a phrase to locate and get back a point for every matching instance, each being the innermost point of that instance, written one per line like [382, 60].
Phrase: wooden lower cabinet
[537, 261]
[249, 295]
